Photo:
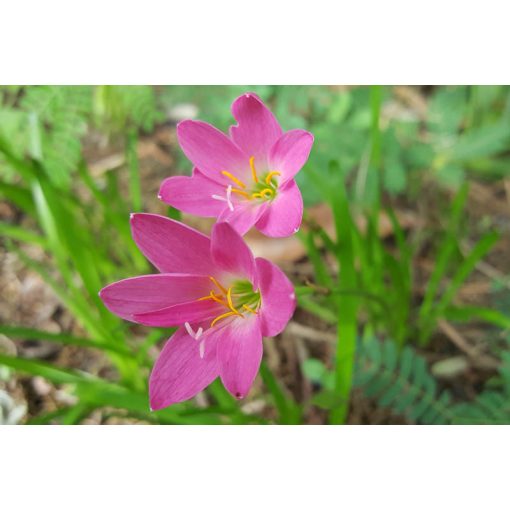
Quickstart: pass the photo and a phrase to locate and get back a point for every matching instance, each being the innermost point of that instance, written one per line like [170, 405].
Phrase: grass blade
[347, 305]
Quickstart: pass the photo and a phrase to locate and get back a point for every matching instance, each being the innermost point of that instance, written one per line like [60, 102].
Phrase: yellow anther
[225, 299]
[267, 191]
[218, 284]
[269, 176]
[253, 171]
[223, 316]
[246, 307]
[240, 192]
[234, 178]
[256, 195]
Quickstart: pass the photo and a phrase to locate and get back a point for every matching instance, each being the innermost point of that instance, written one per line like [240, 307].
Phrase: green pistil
[243, 294]
[266, 191]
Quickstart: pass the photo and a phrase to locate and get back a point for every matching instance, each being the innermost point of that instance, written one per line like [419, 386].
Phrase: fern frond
[401, 382]
[121, 106]
[490, 407]
[14, 131]
[59, 119]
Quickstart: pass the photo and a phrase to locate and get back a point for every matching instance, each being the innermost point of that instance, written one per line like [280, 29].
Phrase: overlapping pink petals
[232, 349]
[257, 134]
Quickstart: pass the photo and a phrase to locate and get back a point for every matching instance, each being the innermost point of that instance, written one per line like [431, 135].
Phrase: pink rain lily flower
[246, 179]
[222, 299]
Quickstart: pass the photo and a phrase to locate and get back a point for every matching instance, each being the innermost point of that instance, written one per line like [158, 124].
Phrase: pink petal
[284, 215]
[209, 149]
[290, 152]
[131, 296]
[239, 354]
[278, 298]
[193, 195]
[231, 253]
[257, 128]
[180, 373]
[172, 246]
[244, 216]
[175, 315]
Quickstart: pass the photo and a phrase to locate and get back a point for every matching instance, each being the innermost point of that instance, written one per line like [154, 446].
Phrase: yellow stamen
[223, 316]
[269, 176]
[239, 192]
[234, 178]
[209, 296]
[214, 297]
[218, 284]
[229, 299]
[256, 195]
[225, 299]
[246, 307]
[253, 171]
[267, 191]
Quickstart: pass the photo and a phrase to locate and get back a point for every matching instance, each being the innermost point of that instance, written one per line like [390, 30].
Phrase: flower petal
[172, 246]
[193, 195]
[209, 149]
[231, 253]
[244, 216]
[131, 296]
[290, 152]
[176, 315]
[278, 298]
[180, 373]
[284, 215]
[239, 354]
[257, 128]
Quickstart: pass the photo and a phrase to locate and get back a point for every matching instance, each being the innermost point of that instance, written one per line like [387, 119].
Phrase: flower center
[239, 299]
[263, 188]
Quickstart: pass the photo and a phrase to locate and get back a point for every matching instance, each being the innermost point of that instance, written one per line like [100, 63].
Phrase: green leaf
[481, 142]
[447, 109]
[22, 234]
[46, 370]
[347, 304]
[314, 370]
[63, 338]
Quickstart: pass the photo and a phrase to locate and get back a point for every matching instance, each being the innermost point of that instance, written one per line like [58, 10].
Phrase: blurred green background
[401, 267]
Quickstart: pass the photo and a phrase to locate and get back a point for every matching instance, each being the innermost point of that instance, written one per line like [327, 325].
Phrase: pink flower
[222, 298]
[247, 179]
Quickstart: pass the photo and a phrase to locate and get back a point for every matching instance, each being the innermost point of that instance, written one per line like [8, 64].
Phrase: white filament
[196, 336]
[229, 194]
[190, 331]
[227, 198]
